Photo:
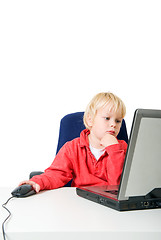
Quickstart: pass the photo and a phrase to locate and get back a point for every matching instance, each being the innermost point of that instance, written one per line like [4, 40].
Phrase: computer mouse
[22, 191]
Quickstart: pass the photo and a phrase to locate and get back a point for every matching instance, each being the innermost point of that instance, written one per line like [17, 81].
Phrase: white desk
[60, 214]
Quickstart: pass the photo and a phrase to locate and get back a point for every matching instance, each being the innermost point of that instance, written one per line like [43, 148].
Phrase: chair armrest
[32, 174]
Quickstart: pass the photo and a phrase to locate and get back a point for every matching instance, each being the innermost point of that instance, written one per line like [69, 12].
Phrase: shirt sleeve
[58, 174]
[116, 156]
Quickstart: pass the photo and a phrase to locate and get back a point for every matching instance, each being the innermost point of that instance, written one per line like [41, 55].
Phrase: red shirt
[75, 161]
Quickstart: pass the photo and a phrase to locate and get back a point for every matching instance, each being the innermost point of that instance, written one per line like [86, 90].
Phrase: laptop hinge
[155, 193]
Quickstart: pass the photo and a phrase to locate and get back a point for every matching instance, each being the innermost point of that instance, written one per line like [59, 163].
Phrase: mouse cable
[4, 206]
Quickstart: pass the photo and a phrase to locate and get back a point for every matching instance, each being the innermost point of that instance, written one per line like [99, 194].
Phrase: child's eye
[118, 121]
[107, 118]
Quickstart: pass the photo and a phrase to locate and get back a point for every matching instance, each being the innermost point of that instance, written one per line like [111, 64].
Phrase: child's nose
[113, 124]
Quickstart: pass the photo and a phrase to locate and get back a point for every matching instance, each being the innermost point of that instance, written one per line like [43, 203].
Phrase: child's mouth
[111, 132]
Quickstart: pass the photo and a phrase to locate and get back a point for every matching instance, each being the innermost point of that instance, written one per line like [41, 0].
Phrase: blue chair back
[72, 124]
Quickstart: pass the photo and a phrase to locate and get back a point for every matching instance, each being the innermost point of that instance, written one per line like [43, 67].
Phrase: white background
[55, 56]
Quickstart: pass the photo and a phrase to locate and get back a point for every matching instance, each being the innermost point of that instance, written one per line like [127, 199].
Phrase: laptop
[140, 185]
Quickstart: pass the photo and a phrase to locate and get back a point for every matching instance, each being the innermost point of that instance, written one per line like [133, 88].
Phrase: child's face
[106, 122]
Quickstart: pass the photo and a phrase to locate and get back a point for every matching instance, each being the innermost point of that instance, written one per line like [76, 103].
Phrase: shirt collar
[84, 138]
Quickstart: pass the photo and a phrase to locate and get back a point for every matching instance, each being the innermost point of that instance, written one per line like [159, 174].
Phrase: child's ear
[89, 120]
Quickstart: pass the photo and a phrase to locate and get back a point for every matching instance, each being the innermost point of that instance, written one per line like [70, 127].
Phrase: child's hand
[34, 185]
[108, 140]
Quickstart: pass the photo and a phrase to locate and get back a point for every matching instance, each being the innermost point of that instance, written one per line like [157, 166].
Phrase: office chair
[70, 127]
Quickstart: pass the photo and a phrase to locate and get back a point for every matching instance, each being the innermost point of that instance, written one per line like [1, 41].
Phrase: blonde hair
[99, 101]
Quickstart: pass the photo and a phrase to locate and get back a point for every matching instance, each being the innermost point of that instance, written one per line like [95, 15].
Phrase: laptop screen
[142, 168]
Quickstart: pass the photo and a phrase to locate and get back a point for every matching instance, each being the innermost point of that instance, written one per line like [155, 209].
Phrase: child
[97, 156]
